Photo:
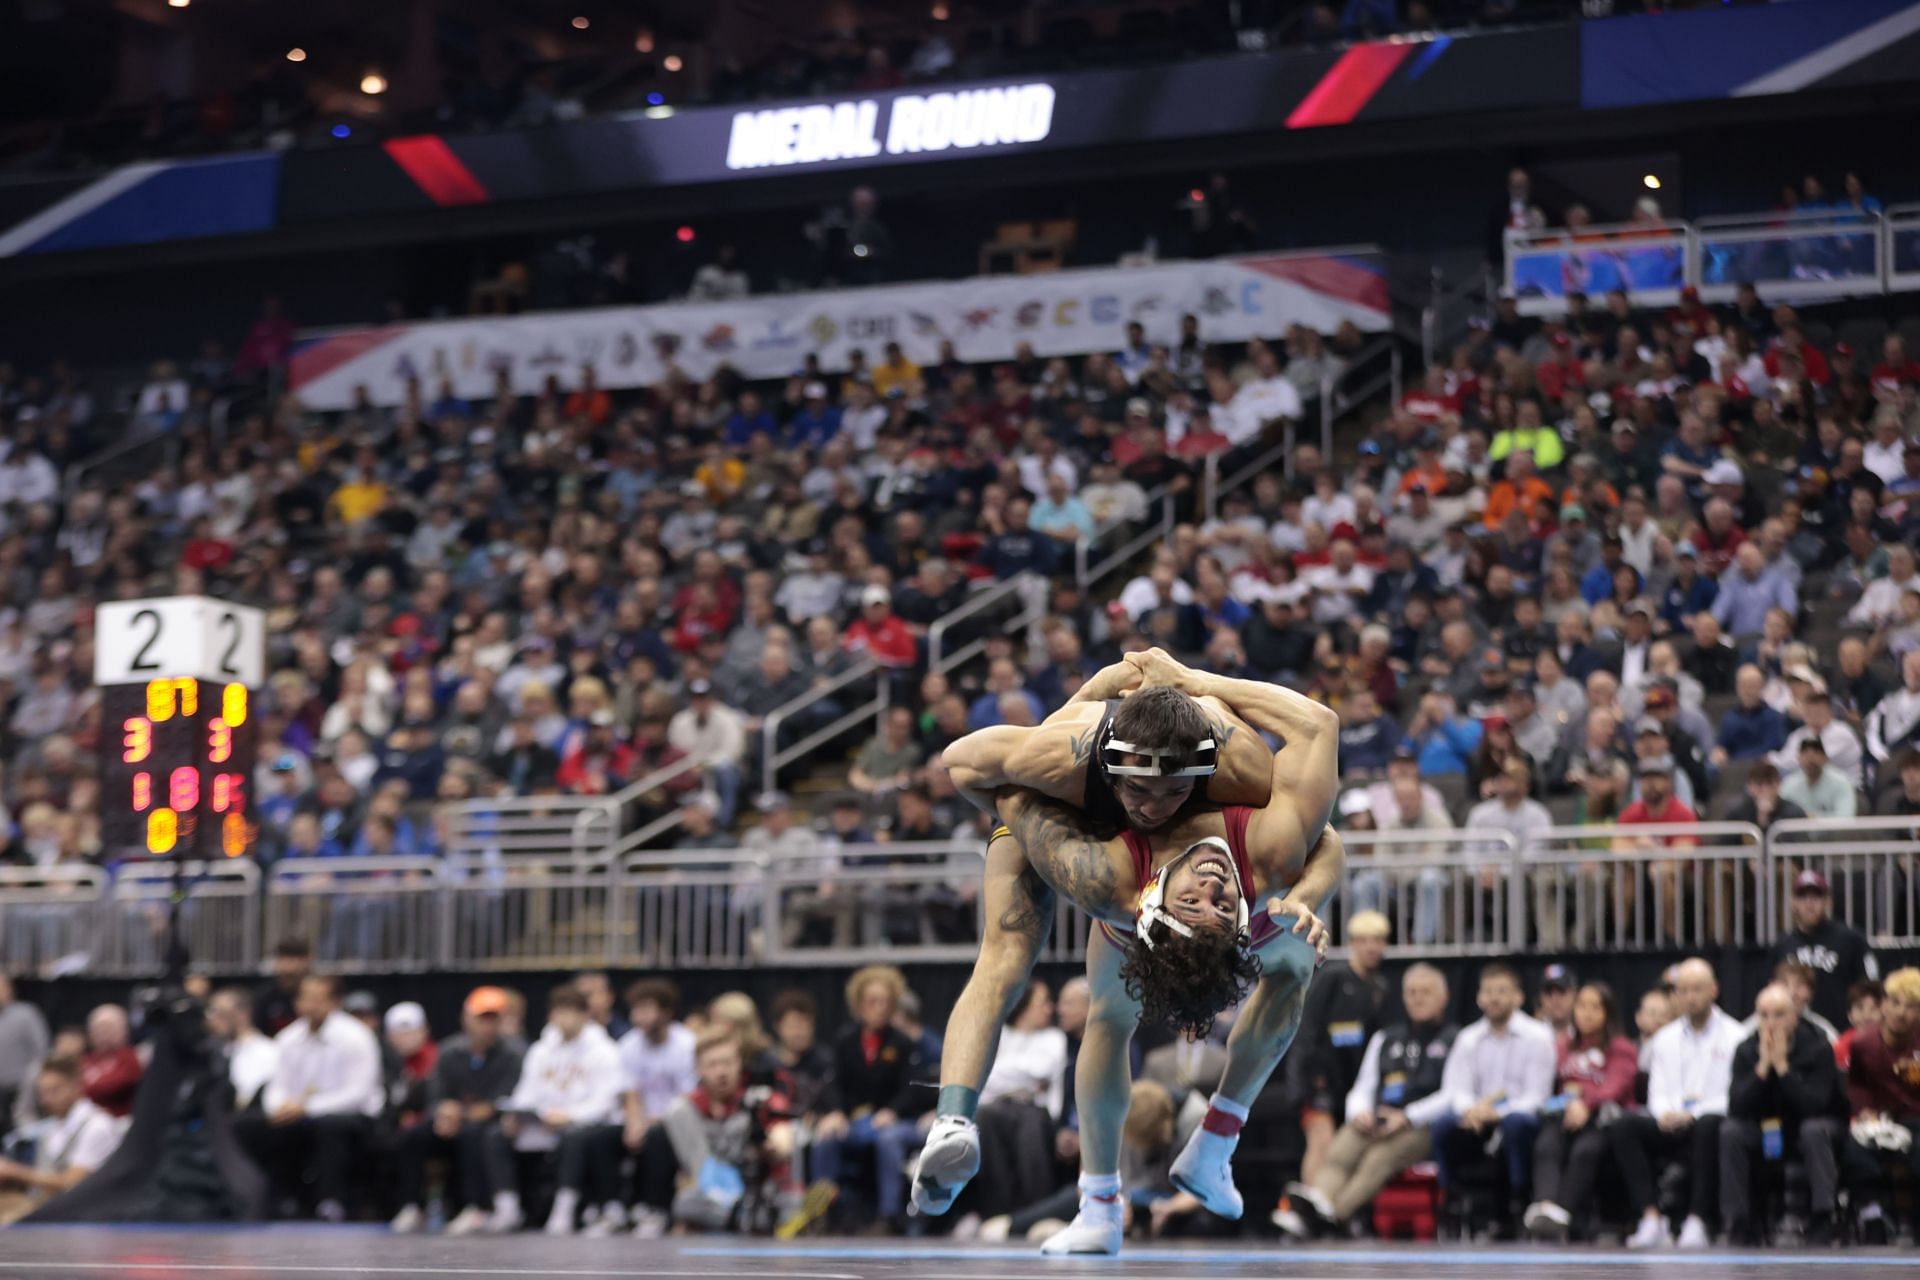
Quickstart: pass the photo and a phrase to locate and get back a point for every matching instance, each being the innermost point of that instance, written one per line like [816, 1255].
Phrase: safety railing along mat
[1602, 889]
[50, 918]
[219, 918]
[360, 915]
[1445, 892]
[1647, 887]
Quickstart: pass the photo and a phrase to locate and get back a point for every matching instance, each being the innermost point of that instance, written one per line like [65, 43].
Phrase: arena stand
[1614, 594]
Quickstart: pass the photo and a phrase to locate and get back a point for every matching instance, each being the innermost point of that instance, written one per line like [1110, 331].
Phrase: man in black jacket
[1785, 1097]
[475, 1070]
[1346, 1005]
[1390, 1113]
[874, 1096]
[1838, 955]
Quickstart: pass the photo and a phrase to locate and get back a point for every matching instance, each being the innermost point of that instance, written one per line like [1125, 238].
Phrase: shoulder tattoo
[1082, 744]
[1061, 847]
[1222, 734]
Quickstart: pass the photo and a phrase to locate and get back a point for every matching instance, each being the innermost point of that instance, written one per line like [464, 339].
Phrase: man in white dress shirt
[1689, 1073]
[1498, 1074]
[318, 1107]
[72, 1139]
[251, 1057]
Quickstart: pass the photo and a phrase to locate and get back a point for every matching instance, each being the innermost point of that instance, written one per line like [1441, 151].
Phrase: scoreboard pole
[179, 733]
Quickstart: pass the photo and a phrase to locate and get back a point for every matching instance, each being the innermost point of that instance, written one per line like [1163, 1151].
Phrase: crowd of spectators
[627, 1113]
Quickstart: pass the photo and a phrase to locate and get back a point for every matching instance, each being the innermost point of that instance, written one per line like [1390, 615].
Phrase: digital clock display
[177, 764]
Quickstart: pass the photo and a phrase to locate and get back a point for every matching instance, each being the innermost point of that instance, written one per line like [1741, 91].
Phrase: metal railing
[1799, 256]
[360, 915]
[1151, 532]
[1337, 397]
[774, 757]
[219, 921]
[50, 917]
[1449, 893]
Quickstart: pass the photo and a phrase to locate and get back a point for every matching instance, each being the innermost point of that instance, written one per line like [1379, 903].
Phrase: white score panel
[171, 636]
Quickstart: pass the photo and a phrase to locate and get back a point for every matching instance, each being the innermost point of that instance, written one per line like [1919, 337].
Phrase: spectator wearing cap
[1656, 804]
[815, 422]
[714, 735]
[1553, 1007]
[1748, 590]
[1684, 724]
[882, 635]
[1651, 743]
[1841, 748]
[1838, 954]
[1691, 592]
[1534, 731]
[1689, 454]
[1761, 802]
[1512, 810]
[408, 1040]
[1583, 546]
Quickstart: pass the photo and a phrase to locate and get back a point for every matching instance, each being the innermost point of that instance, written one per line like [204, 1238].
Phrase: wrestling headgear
[1153, 897]
[1206, 758]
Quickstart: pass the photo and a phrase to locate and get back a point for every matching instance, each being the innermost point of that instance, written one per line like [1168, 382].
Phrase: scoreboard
[179, 731]
[179, 765]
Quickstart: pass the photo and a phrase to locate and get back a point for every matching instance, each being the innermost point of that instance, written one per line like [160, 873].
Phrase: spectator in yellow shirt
[895, 372]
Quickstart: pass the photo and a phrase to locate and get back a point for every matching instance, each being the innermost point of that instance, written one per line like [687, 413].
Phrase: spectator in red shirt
[702, 615]
[1812, 361]
[1431, 402]
[110, 1073]
[598, 762]
[1562, 370]
[880, 634]
[1883, 1083]
[1895, 370]
[206, 550]
[1863, 1010]
[1657, 806]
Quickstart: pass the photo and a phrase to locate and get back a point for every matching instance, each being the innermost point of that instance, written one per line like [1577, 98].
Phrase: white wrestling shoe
[948, 1162]
[1205, 1172]
[1096, 1229]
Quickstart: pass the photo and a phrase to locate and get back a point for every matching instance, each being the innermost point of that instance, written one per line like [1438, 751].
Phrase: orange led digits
[142, 792]
[233, 705]
[229, 792]
[219, 742]
[163, 829]
[137, 745]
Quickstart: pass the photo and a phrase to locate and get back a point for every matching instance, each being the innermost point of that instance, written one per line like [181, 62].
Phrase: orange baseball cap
[487, 1000]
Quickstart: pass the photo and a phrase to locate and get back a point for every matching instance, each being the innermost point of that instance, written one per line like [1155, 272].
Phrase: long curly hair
[1185, 983]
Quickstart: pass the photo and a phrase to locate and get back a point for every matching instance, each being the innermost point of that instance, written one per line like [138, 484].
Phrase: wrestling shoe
[1096, 1229]
[948, 1162]
[1205, 1172]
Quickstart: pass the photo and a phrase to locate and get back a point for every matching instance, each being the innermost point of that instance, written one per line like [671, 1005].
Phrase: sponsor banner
[1064, 313]
[1204, 97]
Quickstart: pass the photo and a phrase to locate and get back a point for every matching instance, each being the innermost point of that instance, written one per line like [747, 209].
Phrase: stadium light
[179, 4]
[940, 11]
[296, 54]
[643, 43]
[373, 83]
[1652, 181]
[672, 62]
[580, 23]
